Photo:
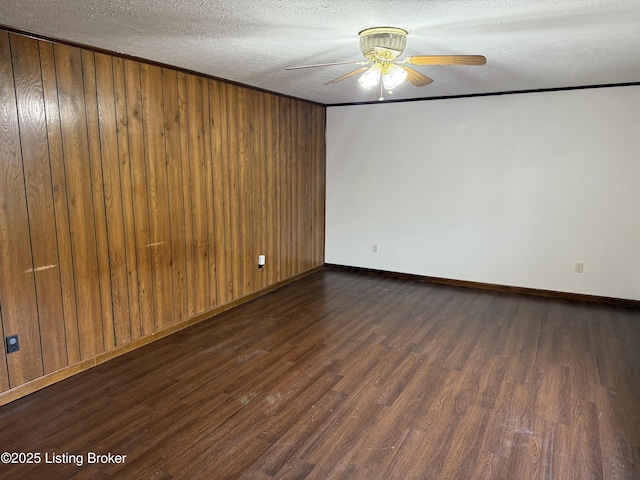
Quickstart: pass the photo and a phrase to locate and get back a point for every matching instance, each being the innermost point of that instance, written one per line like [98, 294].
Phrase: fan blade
[325, 65]
[416, 78]
[446, 60]
[350, 74]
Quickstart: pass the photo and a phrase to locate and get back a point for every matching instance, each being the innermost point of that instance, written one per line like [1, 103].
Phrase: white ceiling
[535, 44]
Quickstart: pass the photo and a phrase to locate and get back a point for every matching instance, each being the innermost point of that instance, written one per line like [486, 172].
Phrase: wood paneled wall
[134, 198]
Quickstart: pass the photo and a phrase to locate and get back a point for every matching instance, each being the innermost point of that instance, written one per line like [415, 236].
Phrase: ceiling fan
[382, 47]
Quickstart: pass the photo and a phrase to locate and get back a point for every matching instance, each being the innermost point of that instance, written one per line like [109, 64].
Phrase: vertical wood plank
[298, 221]
[17, 283]
[4, 374]
[258, 184]
[97, 188]
[316, 198]
[113, 198]
[139, 187]
[298, 191]
[60, 204]
[175, 188]
[247, 258]
[234, 193]
[312, 200]
[128, 209]
[187, 194]
[220, 198]
[225, 91]
[39, 189]
[285, 187]
[271, 192]
[290, 152]
[75, 143]
[307, 178]
[277, 167]
[208, 181]
[263, 146]
[309, 142]
[320, 184]
[157, 194]
[200, 244]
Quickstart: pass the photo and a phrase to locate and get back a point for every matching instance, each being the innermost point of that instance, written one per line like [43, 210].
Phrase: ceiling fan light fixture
[383, 67]
[393, 76]
[371, 77]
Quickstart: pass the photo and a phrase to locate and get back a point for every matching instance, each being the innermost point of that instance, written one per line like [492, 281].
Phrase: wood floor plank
[586, 454]
[342, 375]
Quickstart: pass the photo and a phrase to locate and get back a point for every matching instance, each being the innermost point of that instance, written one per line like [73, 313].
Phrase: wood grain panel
[258, 182]
[113, 199]
[277, 169]
[304, 180]
[198, 210]
[208, 182]
[297, 161]
[40, 207]
[186, 189]
[218, 162]
[175, 190]
[278, 191]
[137, 198]
[97, 189]
[318, 196]
[286, 178]
[226, 195]
[157, 194]
[320, 183]
[60, 202]
[4, 374]
[17, 283]
[308, 137]
[126, 190]
[233, 179]
[290, 147]
[247, 259]
[271, 196]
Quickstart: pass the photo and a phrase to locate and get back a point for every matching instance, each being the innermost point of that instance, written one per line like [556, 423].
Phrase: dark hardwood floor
[342, 375]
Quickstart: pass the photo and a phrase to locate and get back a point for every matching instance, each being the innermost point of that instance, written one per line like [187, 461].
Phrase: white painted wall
[510, 190]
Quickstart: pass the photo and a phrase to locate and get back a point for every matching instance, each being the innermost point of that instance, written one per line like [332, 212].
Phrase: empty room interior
[325, 240]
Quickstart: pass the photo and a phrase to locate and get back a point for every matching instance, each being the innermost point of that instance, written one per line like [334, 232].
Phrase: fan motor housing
[390, 38]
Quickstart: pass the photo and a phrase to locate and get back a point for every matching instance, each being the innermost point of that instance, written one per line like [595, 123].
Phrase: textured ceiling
[529, 45]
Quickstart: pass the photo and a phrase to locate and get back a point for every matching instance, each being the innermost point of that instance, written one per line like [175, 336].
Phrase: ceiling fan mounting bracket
[383, 43]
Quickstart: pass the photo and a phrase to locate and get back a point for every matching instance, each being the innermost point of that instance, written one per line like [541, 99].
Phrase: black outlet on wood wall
[12, 343]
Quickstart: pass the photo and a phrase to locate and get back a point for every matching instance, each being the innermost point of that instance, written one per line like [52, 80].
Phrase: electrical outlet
[12, 343]
[374, 248]
[579, 267]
